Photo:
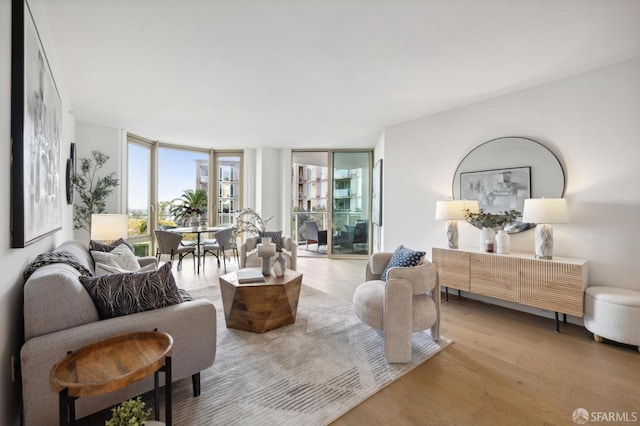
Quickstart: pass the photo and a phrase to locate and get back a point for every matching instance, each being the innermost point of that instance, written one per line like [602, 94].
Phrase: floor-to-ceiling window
[139, 195]
[227, 192]
[160, 175]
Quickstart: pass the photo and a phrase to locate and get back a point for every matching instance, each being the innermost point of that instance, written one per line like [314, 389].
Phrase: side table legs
[67, 405]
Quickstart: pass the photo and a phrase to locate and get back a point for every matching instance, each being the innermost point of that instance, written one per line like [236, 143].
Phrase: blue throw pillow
[403, 258]
[276, 238]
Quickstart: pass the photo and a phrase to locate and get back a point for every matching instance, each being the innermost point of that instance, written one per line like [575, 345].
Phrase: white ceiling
[321, 74]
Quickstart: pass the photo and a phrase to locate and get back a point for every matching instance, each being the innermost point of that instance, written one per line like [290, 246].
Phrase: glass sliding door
[351, 203]
[310, 200]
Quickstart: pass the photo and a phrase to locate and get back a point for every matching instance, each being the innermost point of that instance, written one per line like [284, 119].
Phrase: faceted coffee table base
[260, 307]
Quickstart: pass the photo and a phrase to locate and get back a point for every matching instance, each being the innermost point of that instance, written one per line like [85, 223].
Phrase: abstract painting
[36, 131]
[497, 190]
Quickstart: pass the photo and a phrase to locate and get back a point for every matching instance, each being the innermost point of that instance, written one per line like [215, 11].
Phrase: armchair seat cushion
[368, 304]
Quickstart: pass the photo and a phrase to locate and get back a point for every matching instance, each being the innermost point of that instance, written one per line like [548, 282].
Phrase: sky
[176, 172]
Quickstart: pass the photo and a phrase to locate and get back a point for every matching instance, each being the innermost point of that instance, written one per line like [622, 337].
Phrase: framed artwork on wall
[376, 194]
[36, 133]
[497, 190]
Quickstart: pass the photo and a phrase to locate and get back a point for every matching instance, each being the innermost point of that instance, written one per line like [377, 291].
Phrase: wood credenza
[556, 285]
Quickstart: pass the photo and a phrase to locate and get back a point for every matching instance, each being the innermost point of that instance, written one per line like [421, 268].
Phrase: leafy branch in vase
[248, 220]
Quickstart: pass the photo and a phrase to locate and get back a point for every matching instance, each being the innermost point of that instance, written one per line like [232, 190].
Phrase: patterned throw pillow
[98, 246]
[276, 238]
[120, 256]
[121, 294]
[403, 258]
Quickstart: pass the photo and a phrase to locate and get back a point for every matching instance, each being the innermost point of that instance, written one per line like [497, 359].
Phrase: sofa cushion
[403, 257]
[121, 294]
[99, 246]
[276, 238]
[120, 256]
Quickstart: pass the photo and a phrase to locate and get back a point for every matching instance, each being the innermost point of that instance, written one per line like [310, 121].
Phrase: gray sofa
[60, 316]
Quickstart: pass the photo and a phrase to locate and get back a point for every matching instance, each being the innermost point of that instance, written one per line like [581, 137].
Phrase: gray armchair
[408, 302]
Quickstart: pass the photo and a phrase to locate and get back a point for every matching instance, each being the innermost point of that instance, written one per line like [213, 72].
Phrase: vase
[279, 265]
[503, 242]
[487, 237]
[194, 222]
[202, 219]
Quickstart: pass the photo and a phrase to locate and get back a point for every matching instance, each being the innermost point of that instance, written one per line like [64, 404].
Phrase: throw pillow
[98, 246]
[403, 257]
[113, 268]
[276, 238]
[120, 256]
[122, 294]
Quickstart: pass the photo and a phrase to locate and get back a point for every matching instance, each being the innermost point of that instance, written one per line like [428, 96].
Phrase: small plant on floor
[248, 220]
[129, 413]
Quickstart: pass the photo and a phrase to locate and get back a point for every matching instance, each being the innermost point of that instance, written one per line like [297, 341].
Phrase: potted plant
[493, 221]
[129, 413]
[192, 202]
[489, 223]
[91, 189]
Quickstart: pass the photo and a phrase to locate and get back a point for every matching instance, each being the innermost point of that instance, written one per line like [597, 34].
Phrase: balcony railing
[322, 219]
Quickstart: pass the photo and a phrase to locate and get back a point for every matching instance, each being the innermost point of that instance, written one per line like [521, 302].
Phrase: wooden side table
[111, 364]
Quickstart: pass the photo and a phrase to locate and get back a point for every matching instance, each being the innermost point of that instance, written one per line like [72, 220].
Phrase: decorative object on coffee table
[266, 251]
[260, 307]
[279, 265]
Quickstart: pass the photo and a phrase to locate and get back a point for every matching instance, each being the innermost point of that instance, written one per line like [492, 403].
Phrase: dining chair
[224, 240]
[314, 235]
[169, 243]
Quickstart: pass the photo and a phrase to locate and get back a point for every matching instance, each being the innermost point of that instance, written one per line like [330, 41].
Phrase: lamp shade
[545, 210]
[472, 206]
[450, 210]
[109, 227]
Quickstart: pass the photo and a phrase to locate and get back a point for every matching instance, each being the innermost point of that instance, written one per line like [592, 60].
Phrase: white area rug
[308, 373]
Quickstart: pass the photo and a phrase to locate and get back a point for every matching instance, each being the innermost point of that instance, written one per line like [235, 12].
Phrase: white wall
[590, 121]
[108, 140]
[13, 261]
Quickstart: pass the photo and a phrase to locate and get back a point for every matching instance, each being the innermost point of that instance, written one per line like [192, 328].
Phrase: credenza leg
[557, 323]
[446, 294]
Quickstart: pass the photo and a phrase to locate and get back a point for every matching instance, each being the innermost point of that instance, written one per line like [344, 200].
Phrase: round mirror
[503, 172]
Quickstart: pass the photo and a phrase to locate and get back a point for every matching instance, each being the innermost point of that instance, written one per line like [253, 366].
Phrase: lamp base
[452, 234]
[544, 241]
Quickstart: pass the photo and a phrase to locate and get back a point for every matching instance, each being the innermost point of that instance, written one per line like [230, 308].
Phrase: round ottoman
[613, 313]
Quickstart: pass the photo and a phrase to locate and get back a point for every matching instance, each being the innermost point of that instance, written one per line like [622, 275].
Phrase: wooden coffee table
[260, 306]
[111, 364]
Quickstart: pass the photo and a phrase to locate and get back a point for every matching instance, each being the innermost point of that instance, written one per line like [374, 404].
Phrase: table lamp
[109, 227]
[544, 212]
[451, 211]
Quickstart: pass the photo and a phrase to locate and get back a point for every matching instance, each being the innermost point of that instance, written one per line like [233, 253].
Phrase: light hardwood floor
[504, 368]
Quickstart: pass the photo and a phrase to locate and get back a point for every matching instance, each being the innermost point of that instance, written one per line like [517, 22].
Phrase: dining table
[199, 230]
